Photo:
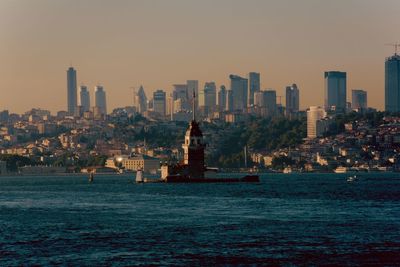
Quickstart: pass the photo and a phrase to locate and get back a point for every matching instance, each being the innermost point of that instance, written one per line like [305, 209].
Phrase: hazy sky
[121, 43]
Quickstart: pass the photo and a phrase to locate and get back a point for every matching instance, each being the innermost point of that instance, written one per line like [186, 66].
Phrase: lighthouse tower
[194, 148]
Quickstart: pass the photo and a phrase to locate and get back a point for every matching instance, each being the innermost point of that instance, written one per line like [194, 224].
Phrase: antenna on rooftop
[395, 45]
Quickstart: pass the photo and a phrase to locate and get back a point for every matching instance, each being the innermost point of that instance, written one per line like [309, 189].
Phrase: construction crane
[395, 45]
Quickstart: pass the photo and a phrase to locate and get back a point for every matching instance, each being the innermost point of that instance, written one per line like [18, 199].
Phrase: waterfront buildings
[160, 102]
[254, 86]
[71, 91]
[392, 83]
[239, 92]
[335, 91]
[359, 100]
[84, 98]
[292, 100]
[317, 122]
[100, 100]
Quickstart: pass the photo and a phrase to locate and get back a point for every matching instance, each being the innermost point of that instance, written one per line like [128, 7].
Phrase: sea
[285, 220]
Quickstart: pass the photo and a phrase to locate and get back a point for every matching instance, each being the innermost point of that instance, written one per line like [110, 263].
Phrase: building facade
[359, 99]
[72, 98]
[254, 86]
[100, 100]
[317, 122]
[239, 87]
[292, 100]
[159, 102]
[222, 98]
[392, 84]
[84, 98]
[335, 91]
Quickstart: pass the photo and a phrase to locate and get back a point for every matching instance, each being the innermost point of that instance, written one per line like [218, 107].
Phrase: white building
[140, 162]
[317, 122]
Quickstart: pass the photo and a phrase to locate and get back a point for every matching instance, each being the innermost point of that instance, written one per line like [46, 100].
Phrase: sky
[122, 44]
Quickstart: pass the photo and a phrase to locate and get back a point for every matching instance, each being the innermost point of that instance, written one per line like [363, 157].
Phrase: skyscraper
[141, 100]
[239, 92]
[222, 98]
[84, 98]
[292, 100]
[392, 83]
[100, 99]
[207, 98]
[359, 99]
[180, 91]
[229, 100]
[254, 86]
[335, 91]
[159, 102]
[71, 91]
[316, 122]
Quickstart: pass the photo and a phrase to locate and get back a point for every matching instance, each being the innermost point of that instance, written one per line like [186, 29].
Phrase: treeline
[258, 134]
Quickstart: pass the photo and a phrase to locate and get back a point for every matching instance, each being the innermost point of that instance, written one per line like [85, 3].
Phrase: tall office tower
[71, 91]
[392, 83]
[229, 100]
[292, 100]
[335, 91]
[180, 91]
[254, 86]
[100, 99]
[222, 98]
[316, 125]
[359, 99]
[239, 92]
[192, 87]
[160, 102]
[84, 98]
[270, 101]
[141, 100]
[207, 98]
[265, 101]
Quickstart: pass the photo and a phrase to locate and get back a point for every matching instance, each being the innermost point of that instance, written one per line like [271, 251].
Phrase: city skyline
[131, 43]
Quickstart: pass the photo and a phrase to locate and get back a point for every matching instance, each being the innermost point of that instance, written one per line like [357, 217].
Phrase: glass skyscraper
[335, 91]
[392, 83]
[72, 98]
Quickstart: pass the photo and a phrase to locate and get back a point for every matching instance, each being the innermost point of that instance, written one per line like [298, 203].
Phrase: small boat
[352, 178]
[139, 176]
[91, 177]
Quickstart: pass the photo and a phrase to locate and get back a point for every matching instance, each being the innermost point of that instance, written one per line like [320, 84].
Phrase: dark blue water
[285, 220]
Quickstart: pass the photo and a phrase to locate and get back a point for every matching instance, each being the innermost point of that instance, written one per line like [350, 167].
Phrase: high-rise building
[141, 100]
[254, 86]
[335, 91]
[71, 91]
[159, 102]
[222, 98]
[392, 83]
[84, 98]
[239, 92]
[100, 99]
[317, 123]
[265, 102]
[229, 100]
[192, 87]
[180, 91]
[359, 99]
[207, 97]
[292, 100]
